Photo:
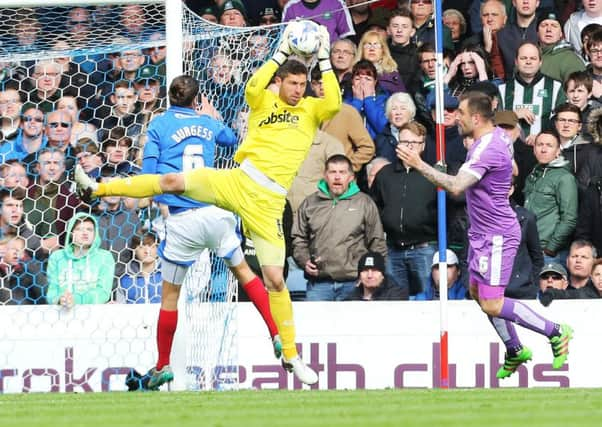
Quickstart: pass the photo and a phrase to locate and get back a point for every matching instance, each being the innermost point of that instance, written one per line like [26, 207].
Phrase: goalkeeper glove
[324, 49]
[284, 49]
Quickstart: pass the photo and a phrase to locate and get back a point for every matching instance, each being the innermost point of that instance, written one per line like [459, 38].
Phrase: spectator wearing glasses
[342, 55]
[575, 148]
[407, 203]
[373, 47]
[47, 76]
[10, 114]
[30, 137]
[58, 130]
[578, 284]
[72, 105]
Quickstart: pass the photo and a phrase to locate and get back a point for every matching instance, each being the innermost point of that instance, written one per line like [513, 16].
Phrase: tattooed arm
[455, 184]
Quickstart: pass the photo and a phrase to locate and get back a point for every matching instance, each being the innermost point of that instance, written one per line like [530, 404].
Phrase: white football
[303, 37]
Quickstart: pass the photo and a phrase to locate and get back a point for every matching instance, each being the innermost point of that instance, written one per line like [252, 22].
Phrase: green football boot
[560, 346]
[511, 363]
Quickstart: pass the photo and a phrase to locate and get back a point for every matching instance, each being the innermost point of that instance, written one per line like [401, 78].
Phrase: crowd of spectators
[355, 234]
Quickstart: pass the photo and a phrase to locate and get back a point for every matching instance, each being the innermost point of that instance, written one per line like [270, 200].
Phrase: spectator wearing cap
[373, 283]
[256, 8]
[333, 14]
[559, 58]
[590, 14]
[530, 94]
[455, 152]
[529, 256]
[233, 14]
[148, 90]
[332, 229]
[455, 286]
[269, 16]
[209, 13]
[579, 285]
[407, 203]
[523, 153]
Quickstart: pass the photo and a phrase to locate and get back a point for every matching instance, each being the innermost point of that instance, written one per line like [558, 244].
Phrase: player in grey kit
[494, 233]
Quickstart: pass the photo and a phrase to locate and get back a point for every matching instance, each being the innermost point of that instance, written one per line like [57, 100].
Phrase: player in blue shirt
[179, 140]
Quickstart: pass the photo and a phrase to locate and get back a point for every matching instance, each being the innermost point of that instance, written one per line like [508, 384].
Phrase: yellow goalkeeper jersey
[279, 134]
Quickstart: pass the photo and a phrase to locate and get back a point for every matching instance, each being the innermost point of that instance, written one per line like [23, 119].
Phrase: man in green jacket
[559, 58]
[551, 194]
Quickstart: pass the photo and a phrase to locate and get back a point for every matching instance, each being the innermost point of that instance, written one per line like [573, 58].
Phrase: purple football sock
[519, 313]
[506, 331]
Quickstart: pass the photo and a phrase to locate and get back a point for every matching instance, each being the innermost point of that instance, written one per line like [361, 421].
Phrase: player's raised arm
[258, 82]
[332, 93]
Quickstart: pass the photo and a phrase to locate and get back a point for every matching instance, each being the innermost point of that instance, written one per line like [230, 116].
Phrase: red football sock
[257, 293]
[166, 328]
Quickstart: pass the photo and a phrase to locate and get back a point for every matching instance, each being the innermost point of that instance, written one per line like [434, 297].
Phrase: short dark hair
[425, 48]
[549, 132]
[147, 238]
[364, 65]
[16, 193]
[479, 103]
[338, 158]
[567, 107]
[291, 66]
[595, 37]
[579, 78]
[183, 90]
[402, 12]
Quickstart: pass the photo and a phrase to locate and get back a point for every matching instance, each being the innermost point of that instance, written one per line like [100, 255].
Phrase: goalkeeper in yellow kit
[281, 130]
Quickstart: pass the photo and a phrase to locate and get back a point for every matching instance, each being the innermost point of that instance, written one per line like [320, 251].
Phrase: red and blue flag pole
[441, 207]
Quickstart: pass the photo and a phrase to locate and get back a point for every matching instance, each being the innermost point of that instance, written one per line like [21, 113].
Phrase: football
[303, 37]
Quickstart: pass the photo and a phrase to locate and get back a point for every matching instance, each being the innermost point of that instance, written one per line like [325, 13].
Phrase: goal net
[80, 85]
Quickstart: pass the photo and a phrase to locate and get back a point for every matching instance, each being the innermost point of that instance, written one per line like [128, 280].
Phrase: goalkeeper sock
[135, 186]
[166, 328]
[282, 310]
[259, 296]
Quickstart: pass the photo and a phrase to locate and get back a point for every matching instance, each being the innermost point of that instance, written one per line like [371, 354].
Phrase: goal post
[55, 58]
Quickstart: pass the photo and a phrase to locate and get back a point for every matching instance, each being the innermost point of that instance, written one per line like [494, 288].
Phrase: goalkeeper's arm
[262, 77]
[331, 103]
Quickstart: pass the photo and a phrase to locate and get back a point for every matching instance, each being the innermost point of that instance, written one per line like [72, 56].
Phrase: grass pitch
[407, 407]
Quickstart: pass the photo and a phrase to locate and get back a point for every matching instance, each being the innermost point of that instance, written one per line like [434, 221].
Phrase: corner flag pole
[441, 215]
